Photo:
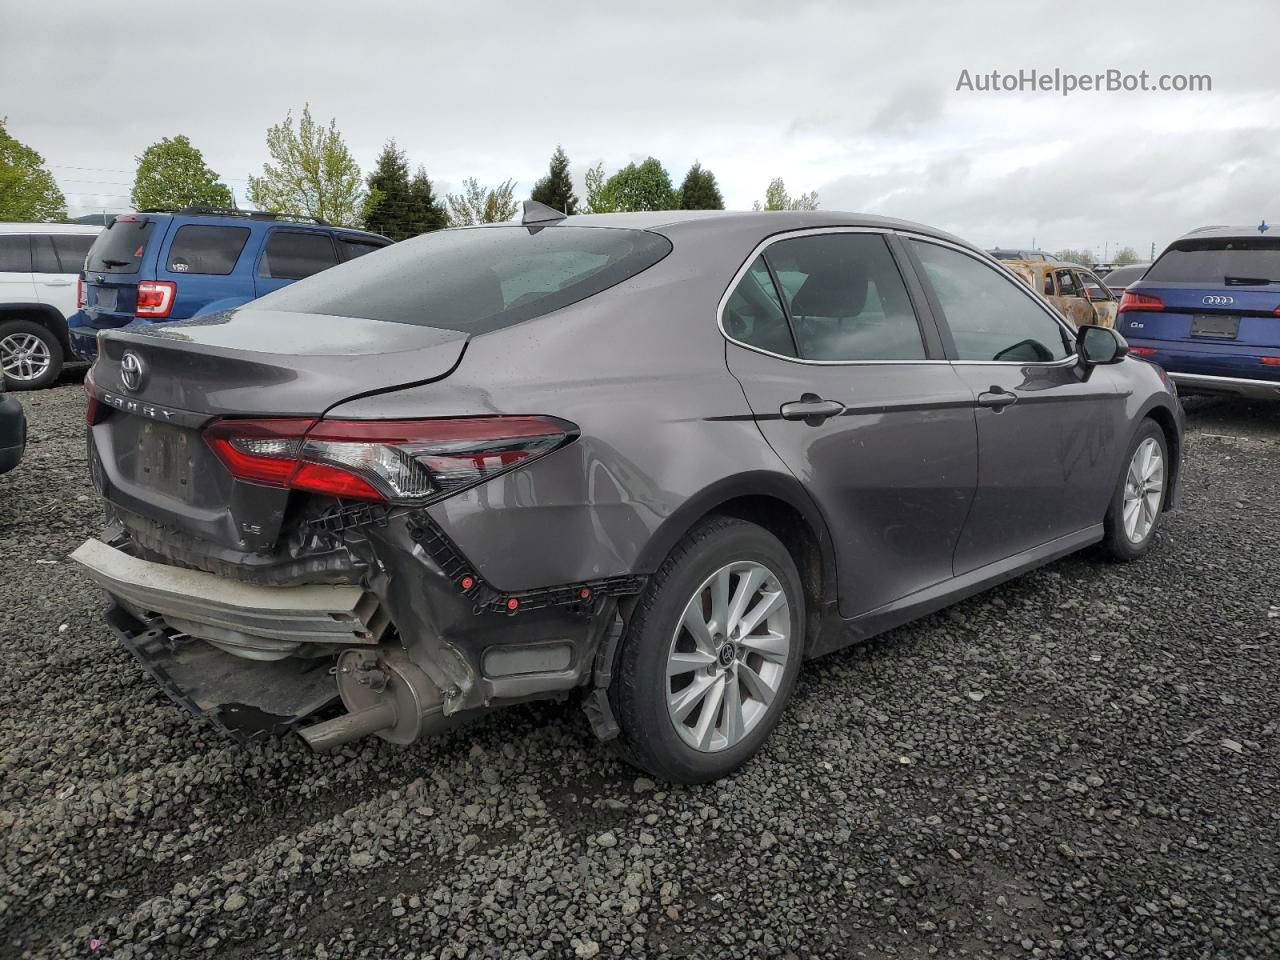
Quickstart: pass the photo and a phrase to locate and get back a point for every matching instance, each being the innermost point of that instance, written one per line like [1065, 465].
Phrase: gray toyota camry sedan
[653, 461]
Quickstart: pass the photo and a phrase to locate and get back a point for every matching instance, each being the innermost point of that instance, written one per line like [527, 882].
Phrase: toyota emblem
[131, 371]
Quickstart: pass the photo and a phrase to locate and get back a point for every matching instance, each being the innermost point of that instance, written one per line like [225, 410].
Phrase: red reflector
[322, 478]
[93, 409]
[1131, 302]
[467, 582]
[155, 298]
[80, 298]
[513, 603]
[584, 592]
[1143, 351]
[1271, 361]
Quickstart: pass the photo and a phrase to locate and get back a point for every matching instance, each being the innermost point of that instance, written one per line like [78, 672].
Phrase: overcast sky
[857, 101]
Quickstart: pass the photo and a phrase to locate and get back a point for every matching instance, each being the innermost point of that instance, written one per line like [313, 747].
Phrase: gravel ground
[1082, 763]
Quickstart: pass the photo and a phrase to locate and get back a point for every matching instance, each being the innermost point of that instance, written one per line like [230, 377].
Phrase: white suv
[40, 266]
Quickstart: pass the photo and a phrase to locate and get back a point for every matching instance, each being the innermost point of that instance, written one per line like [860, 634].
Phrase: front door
[1048, 433]
[851, 390]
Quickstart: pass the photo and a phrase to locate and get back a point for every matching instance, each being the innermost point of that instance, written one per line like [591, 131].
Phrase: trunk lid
[116, 262]
[148, 454]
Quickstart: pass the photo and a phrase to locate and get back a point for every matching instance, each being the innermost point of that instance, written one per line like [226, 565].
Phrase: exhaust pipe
[331, 734]
[386, 694]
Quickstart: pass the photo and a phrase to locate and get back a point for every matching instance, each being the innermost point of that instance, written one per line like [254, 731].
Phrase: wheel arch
[43, 314]
[1167, 421]
[779, 504]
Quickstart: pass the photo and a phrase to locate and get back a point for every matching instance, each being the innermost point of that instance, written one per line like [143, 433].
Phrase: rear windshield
[476, 280]
[1124, 275]
[120, 247]
[1230, 260]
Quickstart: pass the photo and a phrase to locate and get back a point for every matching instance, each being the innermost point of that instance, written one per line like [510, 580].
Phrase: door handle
[56, 283]
[812, 409]
[996, 398]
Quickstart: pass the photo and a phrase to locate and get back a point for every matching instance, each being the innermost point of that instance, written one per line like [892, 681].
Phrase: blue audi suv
[1208, 312]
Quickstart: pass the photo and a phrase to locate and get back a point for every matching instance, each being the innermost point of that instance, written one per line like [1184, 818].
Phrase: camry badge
[131, 371]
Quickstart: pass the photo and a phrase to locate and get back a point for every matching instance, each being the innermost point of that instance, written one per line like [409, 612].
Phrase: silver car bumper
[1254, 389]
[257, 622]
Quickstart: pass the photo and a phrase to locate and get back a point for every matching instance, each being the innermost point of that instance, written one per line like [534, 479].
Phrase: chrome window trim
[985, 259]
[1023, 289]
[787, 235]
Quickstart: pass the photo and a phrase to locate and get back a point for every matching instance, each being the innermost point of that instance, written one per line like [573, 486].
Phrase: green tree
[646, 186]
[777, 198]
[477, 204]
[1083, 257]
[387, 204]
[314, 174]
[1126, 255]
[172, 174]
[597, 202]
[699, 190]
[428, 212]
[556, 188]
[28, 191]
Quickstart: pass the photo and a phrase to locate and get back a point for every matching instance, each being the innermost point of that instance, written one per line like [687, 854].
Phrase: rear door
[1100, 299]
[16, 285]
[56, 261]
[200, 260]
[1049, 438]
[848, 384]
[290, 255]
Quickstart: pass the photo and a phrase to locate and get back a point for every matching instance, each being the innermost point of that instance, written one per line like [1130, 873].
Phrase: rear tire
[30, 355]
[1140, 494]
[710, 654]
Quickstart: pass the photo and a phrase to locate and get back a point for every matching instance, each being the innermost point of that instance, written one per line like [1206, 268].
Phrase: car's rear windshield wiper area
[1247, 281]
[108, 262]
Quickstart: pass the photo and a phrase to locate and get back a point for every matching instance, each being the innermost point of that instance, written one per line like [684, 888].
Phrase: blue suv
[158, 265]
[1208, 312]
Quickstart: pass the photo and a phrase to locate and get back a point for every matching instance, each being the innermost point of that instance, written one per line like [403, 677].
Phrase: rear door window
[205, 249]
[15, 253]
[44, 259]
[1093, 287]
[72, 248]
[477, 279]
[846, 298]
[120, 247]
[351, 247]
[1235, 261]
[294, 255]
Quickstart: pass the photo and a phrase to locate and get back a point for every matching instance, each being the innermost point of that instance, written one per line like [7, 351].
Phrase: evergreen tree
[172, 174]
[699, 190]
[27, 190]
[556, 188]
[428, 212]
[388, 208]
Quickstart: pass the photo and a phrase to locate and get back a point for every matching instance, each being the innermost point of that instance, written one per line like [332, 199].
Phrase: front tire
[710, 654]
[30, 355]
[1139, 497]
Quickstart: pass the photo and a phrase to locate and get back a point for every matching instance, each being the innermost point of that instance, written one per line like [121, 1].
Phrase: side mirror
[1100, 345]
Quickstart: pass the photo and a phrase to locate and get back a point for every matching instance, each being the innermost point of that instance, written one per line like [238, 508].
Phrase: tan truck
[1077, 293]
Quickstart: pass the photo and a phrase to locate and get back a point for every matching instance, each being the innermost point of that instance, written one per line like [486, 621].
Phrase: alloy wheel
[24, 357]
[1143, 490]
[728, 656]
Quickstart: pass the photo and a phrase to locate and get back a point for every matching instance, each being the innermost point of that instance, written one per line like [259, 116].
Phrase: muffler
[386, 695]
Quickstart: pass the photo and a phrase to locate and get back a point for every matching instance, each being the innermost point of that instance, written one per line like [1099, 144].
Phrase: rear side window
[754, 313]
[479, 279]
[990, 315]
[1229, 260]
[198, 248]
[72, 248]
[846, 298]
[120, 247]
[15, 253]
[351, 248]
[294, 255]
[44, 259]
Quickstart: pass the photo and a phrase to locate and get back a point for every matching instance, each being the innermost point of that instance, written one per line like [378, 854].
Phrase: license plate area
[1217, 325]
[165, 460]
[106, 298]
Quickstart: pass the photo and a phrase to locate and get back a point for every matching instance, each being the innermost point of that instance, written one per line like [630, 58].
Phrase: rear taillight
[1143, 351]
[155, 298]
[399, 461]
[80, 298]
[1132, 302]
[93, 408]
[1271, 361]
